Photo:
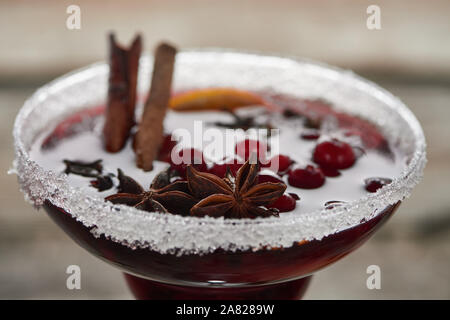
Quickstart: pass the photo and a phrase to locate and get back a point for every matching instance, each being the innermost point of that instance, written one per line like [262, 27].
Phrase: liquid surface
[87, 146]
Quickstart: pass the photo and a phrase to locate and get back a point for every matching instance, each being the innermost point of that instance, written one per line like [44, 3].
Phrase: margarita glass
[170, 256]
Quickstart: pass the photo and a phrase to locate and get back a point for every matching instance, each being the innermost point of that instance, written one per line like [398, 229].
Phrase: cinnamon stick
[119, 115]
[150, 131]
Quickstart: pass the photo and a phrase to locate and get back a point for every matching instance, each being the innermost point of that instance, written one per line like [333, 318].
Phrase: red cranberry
[373, 184]
[220, 169]
[188, 156]
[330, 172]
[309, 177]
[269, 178]
[334, 154]
[294, 195]
[248, 146]
[166, 148]
[283, 162]
[284, 203]
[311, 134]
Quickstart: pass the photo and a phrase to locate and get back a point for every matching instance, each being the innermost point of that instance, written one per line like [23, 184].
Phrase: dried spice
[90, 170]
[241, 122]
[203, 193]
[234, 197]
[215, 98]
[310, 121]
[128, 184]
[162, 197]
[149, 135]
[119, 116]
[294, 195]
[102, 182]
[85, 169]
[289, 113]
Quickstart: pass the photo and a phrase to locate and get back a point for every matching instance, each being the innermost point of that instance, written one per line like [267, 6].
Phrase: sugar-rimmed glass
[208, 254]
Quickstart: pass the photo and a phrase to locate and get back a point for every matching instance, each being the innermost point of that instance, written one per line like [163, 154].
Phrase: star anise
[163, 196]
[233, 197]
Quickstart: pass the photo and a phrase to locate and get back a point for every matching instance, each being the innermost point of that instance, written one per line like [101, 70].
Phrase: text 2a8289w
[226, 309]
[246, 309]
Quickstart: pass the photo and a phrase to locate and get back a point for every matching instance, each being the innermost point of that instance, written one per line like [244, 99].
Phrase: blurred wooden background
[409, 56]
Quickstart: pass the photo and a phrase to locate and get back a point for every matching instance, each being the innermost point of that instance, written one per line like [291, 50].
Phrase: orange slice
[214, 98]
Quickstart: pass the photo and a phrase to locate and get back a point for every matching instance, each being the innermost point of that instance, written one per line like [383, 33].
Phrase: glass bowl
[181, 257]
